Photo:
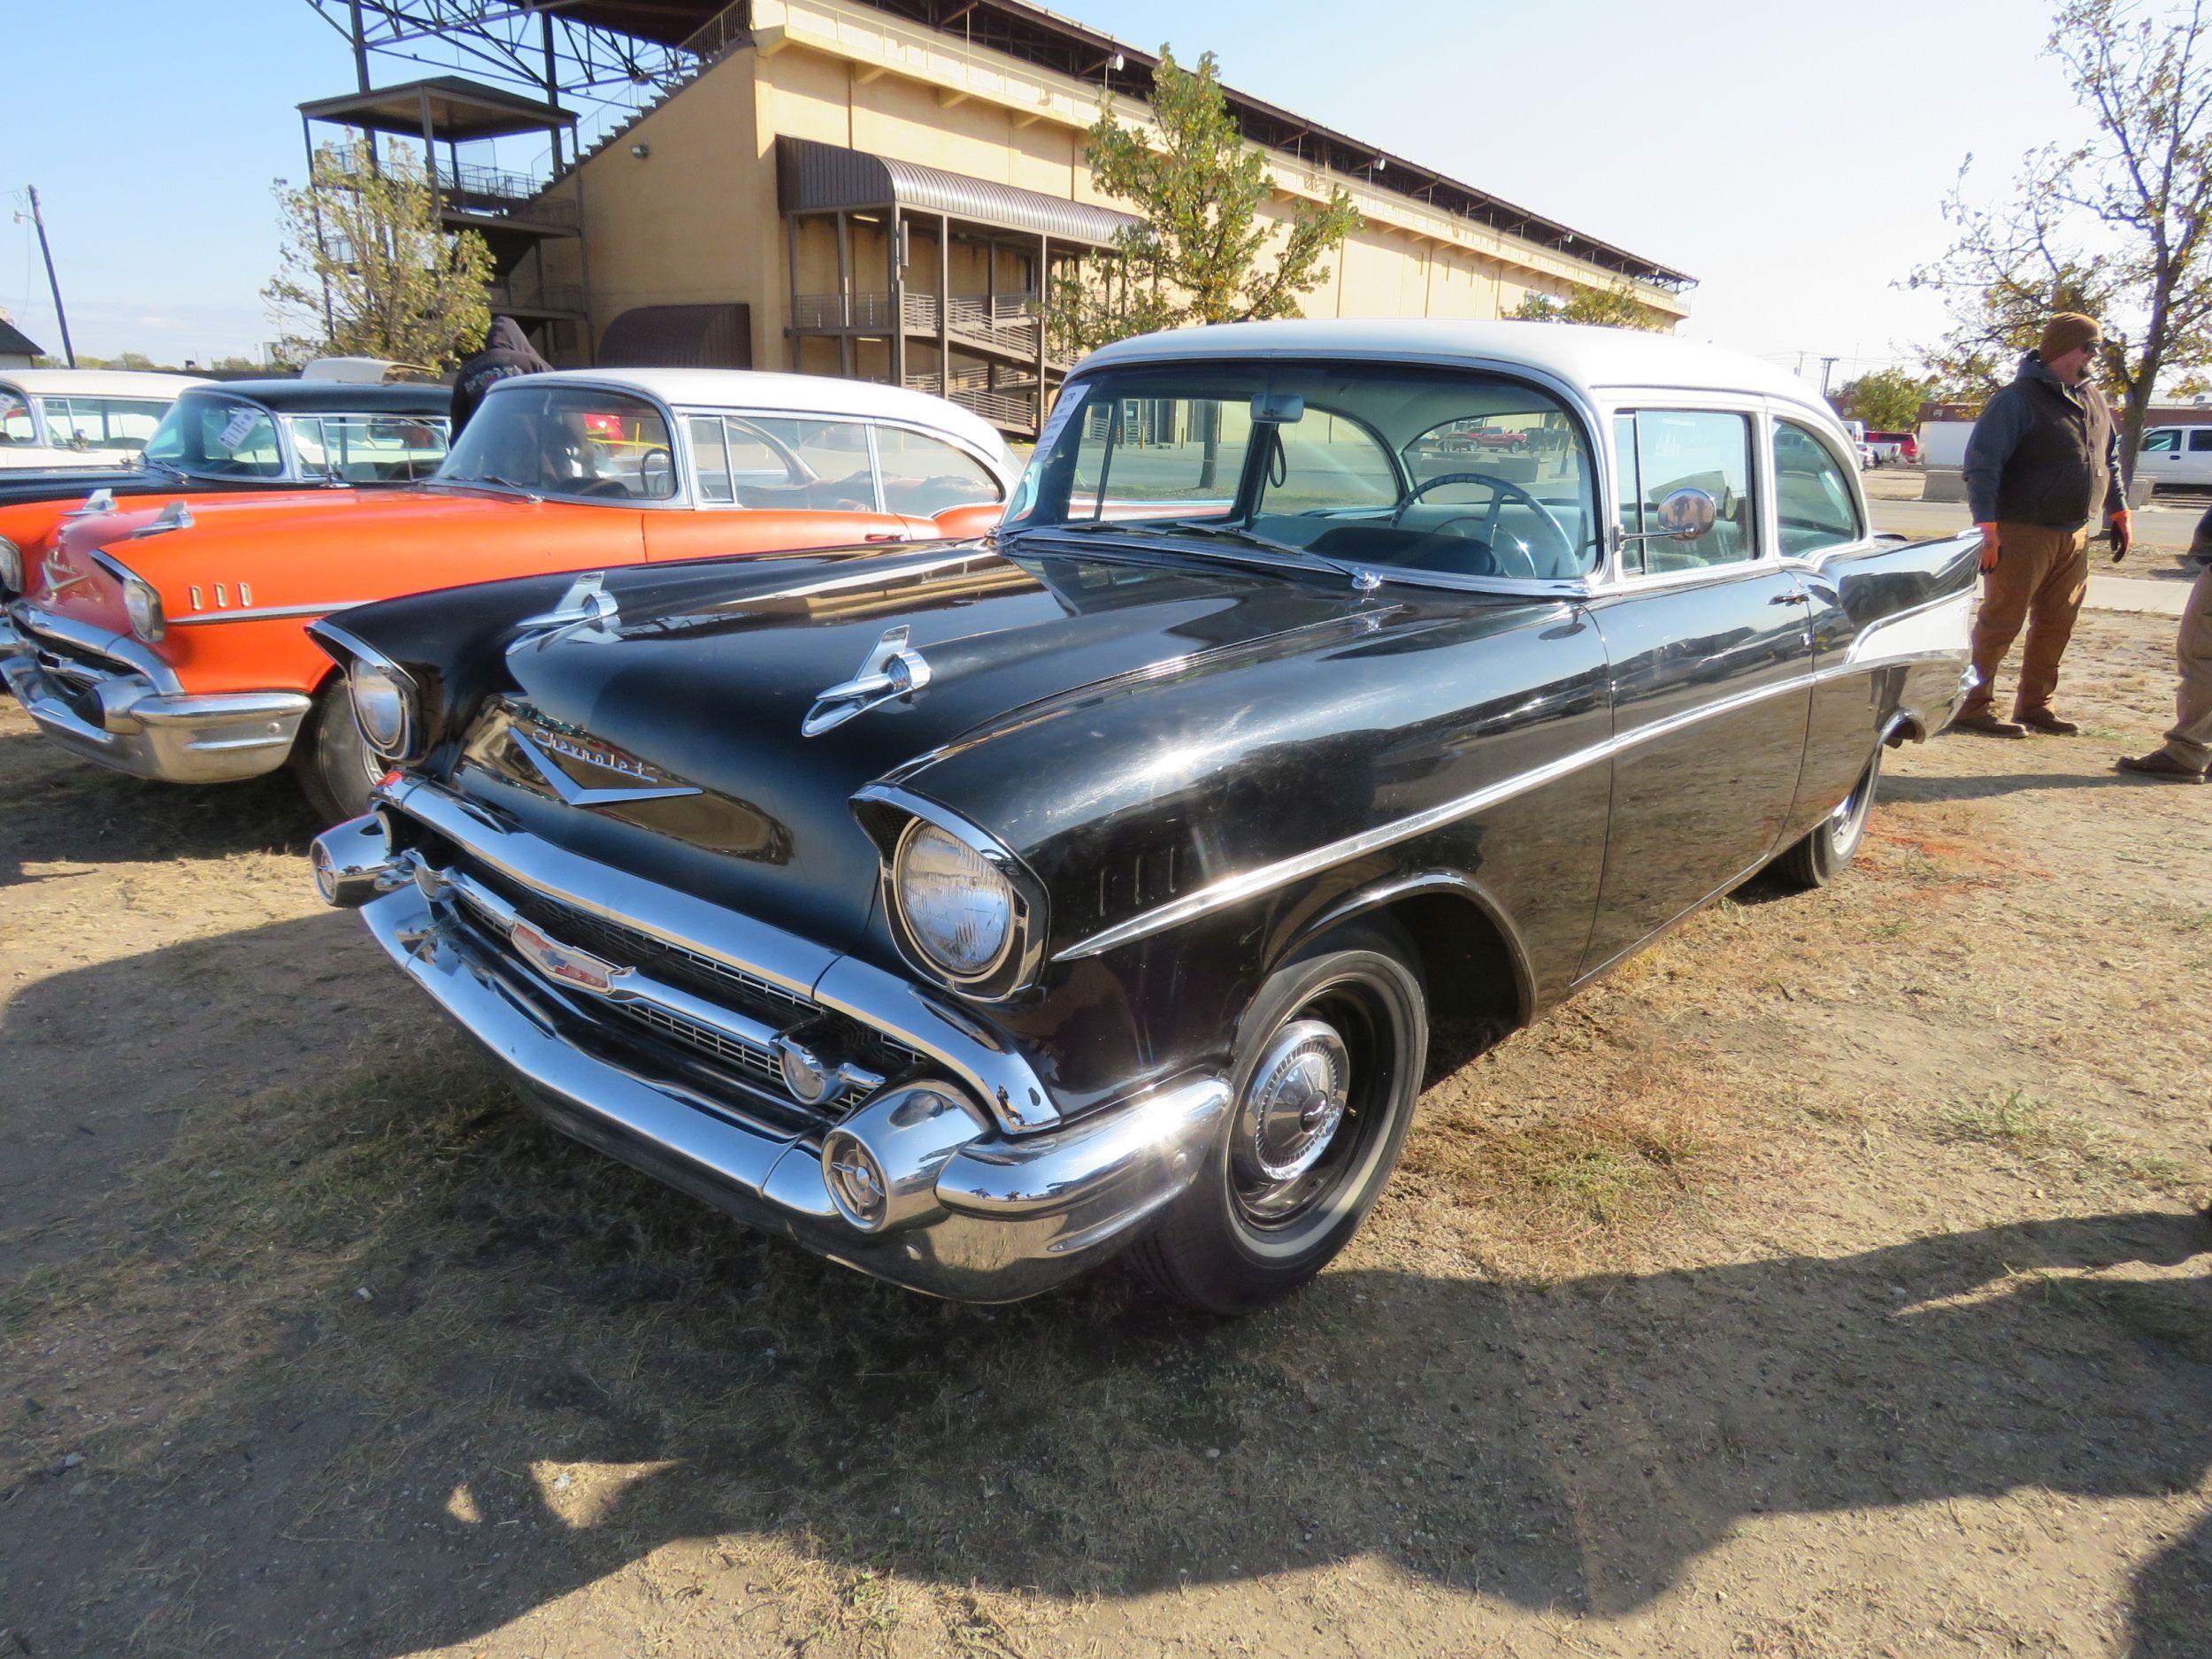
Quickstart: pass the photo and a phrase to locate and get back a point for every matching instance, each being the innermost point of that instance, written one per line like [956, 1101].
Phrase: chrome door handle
[1793, 597]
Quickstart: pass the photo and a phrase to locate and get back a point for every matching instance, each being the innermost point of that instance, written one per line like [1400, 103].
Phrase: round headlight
[957, 908]
[142, 605]
[10, 566]
[384, 706]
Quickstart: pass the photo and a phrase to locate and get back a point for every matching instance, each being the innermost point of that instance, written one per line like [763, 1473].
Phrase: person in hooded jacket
[2042, 464]
[506, 351]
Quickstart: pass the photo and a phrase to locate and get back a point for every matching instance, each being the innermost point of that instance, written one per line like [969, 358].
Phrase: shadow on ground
[560, 1368]
[64, 811]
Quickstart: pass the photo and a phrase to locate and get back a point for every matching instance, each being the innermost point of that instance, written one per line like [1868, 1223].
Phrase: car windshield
[368, 449]
[1400, 467]
[583, 441]
[213, 436]
[119, 424]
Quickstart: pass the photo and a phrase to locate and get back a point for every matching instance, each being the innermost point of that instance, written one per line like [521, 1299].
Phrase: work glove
[2122, 535]
[1989, 545]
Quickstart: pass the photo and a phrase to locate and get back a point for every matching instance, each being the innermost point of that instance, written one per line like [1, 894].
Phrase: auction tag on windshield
[241, 423]
[1071, 400]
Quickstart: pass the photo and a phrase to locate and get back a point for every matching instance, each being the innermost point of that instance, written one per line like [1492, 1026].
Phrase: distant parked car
[2176, 456]
[1890, 447]
[241, 435]
[166, 638]
[72, 418]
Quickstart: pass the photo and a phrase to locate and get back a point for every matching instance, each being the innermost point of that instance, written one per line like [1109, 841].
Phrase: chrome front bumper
[94, 701]
[976, 1213]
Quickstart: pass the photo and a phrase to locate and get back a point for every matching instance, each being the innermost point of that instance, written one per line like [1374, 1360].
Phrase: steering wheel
[1500, 488]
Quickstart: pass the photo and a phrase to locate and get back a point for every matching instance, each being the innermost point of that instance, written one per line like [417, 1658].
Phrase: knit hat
[2066, 331]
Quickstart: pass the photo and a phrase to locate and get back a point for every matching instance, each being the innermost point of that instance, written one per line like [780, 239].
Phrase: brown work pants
[2190, 741]
[2040, 577]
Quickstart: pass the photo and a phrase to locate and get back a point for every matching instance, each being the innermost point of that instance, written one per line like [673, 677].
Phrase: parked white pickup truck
[2179, 456]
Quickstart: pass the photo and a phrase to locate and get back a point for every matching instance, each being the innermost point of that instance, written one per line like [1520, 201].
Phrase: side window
[783, 461]
[1812, 497]
[1702, 449]
[2164, 441]
[369, 448]
[924, 475]
[2200, 441]
[15, 420]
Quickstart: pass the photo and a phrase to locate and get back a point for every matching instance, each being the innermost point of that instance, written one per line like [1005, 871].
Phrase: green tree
[2115, 227]
[367, 270]
[1201, 252]
[1615, 307]
[1888, 400]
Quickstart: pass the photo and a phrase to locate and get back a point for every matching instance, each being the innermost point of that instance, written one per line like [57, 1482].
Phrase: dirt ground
[1824, 1283]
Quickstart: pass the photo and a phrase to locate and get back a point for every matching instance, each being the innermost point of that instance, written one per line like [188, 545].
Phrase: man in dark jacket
[2043, 461]
[506, 351]
[2188, 748]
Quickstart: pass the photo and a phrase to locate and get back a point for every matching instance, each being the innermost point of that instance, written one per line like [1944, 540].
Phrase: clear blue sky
[1791, 157]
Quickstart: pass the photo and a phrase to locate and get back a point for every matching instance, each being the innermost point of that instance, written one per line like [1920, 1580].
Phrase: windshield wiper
[490, 481]
[1362, 580]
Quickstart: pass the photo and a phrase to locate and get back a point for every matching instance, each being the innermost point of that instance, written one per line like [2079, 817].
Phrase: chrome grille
[633, 948]
[703, 1038]
[727, 987]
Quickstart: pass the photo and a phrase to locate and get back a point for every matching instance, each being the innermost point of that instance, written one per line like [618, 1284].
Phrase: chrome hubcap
[1294, 1105]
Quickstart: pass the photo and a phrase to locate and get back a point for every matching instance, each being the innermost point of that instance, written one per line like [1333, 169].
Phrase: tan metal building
[885, 188]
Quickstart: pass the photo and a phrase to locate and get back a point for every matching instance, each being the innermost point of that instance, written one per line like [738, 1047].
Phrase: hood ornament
[890, 670]
[175, 516]
[586, 600]
[101, 500]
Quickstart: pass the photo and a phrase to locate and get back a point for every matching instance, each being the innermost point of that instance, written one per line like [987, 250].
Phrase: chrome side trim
[262, 613]
[1233, 889]
[841, 983]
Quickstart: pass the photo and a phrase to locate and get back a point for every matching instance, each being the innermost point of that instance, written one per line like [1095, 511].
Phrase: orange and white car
[167, 639]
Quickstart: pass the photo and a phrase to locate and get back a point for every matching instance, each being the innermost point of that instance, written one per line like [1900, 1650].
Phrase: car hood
[705, 680]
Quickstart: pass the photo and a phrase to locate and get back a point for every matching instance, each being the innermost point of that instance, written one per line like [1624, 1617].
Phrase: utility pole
[38, 221]
[1826, 365]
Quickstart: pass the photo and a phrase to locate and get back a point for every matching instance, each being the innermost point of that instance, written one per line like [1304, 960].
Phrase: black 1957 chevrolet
[971, 914]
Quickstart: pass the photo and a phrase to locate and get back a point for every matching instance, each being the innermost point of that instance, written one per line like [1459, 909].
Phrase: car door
[2196, 468]
[2160, 458]
[768, 483]
[1710, 663]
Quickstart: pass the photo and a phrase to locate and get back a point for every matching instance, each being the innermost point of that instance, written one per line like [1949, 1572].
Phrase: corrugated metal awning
[817, 178]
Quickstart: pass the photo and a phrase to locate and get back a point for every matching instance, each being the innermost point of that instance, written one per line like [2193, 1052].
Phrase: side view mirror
[1687, 515]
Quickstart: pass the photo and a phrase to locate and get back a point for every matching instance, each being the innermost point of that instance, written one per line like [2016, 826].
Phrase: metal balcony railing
[468, 188]
[1006, 325]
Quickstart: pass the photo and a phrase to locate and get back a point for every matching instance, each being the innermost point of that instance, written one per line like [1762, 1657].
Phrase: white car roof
[98, 382]
[1584, 357]
[804, 394]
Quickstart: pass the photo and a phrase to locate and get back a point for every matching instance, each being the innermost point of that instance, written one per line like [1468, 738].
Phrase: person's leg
[2006, 593]
[2052, 613]
[2190, 741]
